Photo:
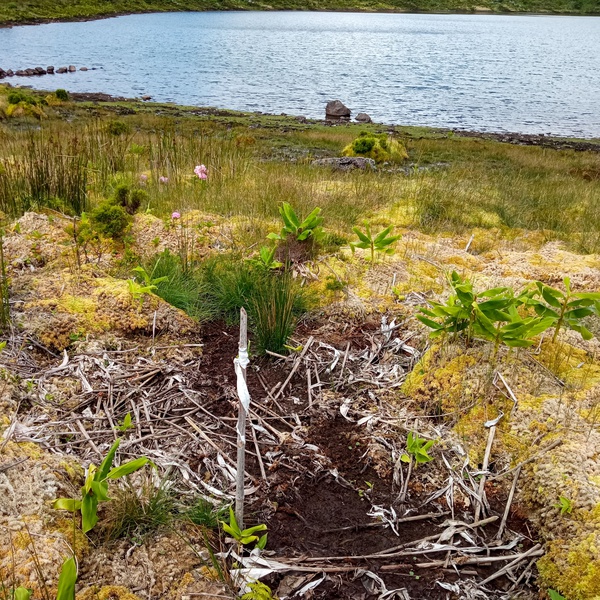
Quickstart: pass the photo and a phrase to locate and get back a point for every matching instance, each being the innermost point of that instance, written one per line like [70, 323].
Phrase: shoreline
[84, 18]
[554, 142]
[515, 138]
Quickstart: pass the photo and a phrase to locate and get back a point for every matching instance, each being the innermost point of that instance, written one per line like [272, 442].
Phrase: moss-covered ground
[498, 213]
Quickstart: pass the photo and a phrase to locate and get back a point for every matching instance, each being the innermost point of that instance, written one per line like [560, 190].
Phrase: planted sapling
[381, 242]
[245, 537]
[309, 228]
[565, 309]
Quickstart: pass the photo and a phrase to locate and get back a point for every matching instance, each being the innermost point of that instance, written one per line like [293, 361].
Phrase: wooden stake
[241, 361]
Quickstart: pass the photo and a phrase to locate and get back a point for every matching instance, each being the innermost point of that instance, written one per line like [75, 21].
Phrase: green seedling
[381, 242]
[126, 425]
[416, 449]
[95, 488]
[266, 259]
[565, 505]
[66, 584]
[565, 309]
[301, 230]
[258, 591]
[554, 595]
[245, 537]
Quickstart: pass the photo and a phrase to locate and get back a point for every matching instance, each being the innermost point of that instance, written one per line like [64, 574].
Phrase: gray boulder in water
[336, 110]
[363, 118]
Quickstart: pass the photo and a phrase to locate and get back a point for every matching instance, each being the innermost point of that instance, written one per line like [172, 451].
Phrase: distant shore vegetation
[39, 11]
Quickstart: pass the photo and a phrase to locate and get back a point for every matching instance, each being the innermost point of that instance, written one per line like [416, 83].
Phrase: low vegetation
[451, 288]
[41, 10]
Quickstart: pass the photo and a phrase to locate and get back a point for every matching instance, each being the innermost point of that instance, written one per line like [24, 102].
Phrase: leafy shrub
[118, 128]
[565, 309]
[18, 96]
[129, 199]
[299, 230]
[380, 148]
[492, 315]
[62, 95]
[109, 219]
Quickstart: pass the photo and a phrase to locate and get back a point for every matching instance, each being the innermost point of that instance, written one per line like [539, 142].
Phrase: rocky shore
[39, 71]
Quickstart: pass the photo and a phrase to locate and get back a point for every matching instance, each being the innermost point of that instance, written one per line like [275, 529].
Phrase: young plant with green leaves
[417, 449]
[245, 537]
[266, 259]
[139, 291]
[95, 488]
[66, 584]
[565, 309]
[309, 228]
[381, 242]
[258, 591]
[492, 315]
[565, 505]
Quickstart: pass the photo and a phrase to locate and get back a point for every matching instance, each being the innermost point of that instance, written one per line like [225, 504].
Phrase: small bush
[62, 95]
[380, 148]
[109, 219]
[118, 128]
[17, 96]
[130, 200]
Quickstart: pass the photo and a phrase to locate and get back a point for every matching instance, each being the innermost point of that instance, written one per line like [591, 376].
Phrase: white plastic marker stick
[240, 363]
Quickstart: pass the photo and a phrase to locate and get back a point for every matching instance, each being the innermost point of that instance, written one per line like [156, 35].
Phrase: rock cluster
[39, 71]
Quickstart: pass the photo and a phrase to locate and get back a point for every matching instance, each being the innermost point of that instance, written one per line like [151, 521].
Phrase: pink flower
[143, 178]
[163, 179]
[175, 215]
[201, 171]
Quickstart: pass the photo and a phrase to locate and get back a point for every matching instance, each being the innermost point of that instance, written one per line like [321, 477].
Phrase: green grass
[31, 11]
[81, 153]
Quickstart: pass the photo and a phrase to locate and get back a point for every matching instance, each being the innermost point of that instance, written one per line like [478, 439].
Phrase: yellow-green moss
[572, 569]
[107, 592]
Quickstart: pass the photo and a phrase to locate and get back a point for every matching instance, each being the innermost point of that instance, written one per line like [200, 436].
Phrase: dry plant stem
[516, 558]
[553, 445]
[508, 504]
[402, 520]
[531, 552]
[294, 368]
[486, 462]
[241, 446]
[258, 455]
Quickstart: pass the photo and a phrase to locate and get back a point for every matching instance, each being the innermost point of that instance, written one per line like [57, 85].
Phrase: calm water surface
[485, 72]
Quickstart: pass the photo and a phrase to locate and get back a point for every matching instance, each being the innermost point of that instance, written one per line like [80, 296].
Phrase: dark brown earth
[319, 516]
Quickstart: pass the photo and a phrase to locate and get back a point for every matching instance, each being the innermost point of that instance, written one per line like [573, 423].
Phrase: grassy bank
[33, 11]
[448, 184]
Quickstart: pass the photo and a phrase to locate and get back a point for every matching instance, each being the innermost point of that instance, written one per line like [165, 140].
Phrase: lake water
[531, 74]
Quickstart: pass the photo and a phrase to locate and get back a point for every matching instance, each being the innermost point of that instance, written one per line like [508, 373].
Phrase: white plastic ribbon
[240, 363]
